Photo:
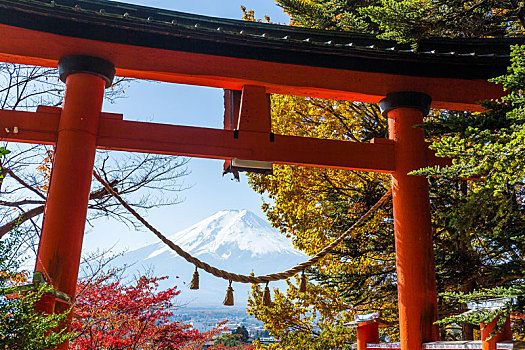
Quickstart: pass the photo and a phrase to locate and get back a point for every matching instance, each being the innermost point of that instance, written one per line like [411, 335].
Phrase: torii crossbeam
[88, 39]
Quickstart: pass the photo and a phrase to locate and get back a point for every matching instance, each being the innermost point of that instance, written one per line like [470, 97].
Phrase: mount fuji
[234, 240]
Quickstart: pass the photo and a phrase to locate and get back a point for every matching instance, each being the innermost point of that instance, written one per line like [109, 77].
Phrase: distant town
[205, 320]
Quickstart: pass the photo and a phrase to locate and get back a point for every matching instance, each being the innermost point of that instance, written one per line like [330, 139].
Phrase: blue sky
[219, 8]
[184, 105]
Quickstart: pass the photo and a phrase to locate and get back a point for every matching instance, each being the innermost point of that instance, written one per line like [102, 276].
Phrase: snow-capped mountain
[235, 240]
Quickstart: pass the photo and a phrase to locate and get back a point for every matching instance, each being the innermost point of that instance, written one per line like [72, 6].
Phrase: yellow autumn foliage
[312, 207]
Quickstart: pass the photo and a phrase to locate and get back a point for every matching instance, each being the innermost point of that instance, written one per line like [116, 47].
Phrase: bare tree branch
[20, 219]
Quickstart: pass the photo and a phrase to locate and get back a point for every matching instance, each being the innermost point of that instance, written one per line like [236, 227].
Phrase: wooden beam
[36, 127]
[221, 144]
[43, 49]
[29, 127]
[116, 134]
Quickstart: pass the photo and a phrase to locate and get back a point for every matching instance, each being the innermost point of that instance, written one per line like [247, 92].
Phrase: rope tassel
[228, 300]
[267, 299]
[195, 280]
[302, 284]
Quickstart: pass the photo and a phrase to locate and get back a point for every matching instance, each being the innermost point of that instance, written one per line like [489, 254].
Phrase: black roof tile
[144, 26]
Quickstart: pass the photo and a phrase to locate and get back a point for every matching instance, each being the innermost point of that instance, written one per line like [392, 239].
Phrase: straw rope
[238, 277]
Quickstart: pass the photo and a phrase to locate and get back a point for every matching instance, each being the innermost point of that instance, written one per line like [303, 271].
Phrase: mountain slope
[235, 240]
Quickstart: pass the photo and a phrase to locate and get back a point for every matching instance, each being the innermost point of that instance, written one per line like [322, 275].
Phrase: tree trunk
[467, 330]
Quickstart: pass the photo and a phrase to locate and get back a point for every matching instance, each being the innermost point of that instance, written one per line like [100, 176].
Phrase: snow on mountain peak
[227, 232]
[233, 240]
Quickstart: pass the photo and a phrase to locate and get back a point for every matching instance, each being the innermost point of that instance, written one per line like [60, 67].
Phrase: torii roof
[42, 31]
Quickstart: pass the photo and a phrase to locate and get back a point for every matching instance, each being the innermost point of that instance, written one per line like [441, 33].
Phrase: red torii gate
[90, 40]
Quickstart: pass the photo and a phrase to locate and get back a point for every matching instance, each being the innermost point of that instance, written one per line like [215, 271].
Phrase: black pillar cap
[86, 64]
[405, 99]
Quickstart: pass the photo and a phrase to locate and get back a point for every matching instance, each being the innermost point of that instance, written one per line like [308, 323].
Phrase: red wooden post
[254, 114]
[367, 327]
[367, 333]
[504, 334]
[413, 233]
[66, 206]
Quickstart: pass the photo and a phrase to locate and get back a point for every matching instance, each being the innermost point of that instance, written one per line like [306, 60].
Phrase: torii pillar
[416, 281]
[65, 212]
